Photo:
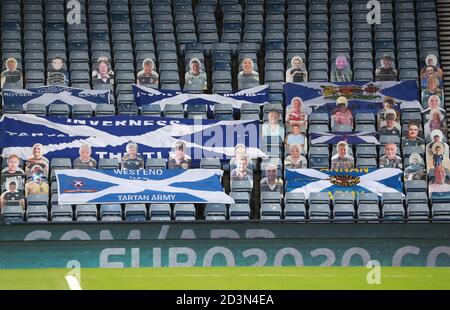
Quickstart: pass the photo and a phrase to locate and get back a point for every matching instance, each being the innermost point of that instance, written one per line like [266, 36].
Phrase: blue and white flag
[351, 138]
[55, 94]
[140, 186]
[144, 95]
[109, 135]
[362, 97]
[379, 181]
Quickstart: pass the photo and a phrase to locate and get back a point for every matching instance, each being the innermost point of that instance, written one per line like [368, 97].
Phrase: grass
[225, 278]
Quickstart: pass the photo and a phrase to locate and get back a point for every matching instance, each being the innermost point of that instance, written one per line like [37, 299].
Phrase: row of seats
[152, 35]
[342, 212]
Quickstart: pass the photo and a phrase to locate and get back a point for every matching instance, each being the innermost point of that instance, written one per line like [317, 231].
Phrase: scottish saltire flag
[55, 94]
[109, 135]
[140, 186]
[307, 181]
[363, 97]
[144, 95]
[352, 138]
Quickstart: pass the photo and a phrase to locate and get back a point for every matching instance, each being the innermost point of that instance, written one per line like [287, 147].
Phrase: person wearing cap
[296, 73]
[341, 70]
[390, 126]
[431, 90]
[242, 172]
[271, 182]
[386, 72]
[295, 160]
[179, 158]
[85, 161]
[342, 160]
[295, 114]
[57, 75]
[388, 104]
[248, 77]
[12, 194]
[13, 172]
[428, 73]
[132, 160]
[37, 159]
[342, 115]
[436, 121]
[412, 137]
[272, 127]
[415, 170]
[431, 60]
[390, 159]
[103, 75]
[439, 184]
[195, 78]
[11, 77]
[147, 76]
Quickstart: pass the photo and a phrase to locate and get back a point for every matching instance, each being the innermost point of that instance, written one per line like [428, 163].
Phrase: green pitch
[224, 278]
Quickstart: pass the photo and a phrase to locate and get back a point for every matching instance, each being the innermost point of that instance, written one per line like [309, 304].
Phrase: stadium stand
[106, 47]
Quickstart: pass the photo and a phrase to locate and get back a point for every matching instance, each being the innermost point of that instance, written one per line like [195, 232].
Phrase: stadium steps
[443, 12]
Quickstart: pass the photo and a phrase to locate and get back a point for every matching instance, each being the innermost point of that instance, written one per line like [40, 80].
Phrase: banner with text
[55, 94]
[255, 95]
[140, 186]
[108, 136]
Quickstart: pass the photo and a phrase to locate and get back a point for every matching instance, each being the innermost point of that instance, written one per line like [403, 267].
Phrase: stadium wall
[221, 244]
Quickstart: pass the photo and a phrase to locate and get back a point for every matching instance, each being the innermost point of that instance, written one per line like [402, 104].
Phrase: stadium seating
[221, 34]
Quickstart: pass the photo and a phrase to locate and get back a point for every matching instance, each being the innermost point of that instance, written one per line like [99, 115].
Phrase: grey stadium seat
[270, 211]
[111, 212]
[135, 212]
[61, 213]
[160, 212]
[184, 212]
[215, 212]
